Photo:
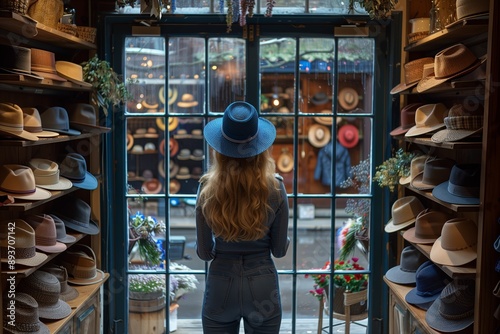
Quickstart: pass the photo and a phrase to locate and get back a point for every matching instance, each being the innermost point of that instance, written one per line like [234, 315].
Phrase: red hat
[348, 135]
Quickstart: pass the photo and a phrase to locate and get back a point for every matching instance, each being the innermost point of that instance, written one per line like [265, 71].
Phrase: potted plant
[393, 169]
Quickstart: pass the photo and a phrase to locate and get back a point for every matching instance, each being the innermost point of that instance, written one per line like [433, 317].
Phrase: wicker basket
[67, 28]
[86, 33]
[16, 6]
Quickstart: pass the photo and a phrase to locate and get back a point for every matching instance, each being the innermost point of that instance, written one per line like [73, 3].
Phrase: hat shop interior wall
[51, 172]
[444, 225]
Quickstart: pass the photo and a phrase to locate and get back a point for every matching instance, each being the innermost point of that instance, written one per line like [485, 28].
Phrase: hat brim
[51, 76]
[88, 281]
[264, 139]
[69, 294]
[391, 227]
[409, 235]
[67, 239]
[62, 184]
[313, 140]
[77, 82]
[405, 180]
[58, 247]
[396, 275]
[445, 257]
[43, 329]
[20, 135]
[38, 195]
[29, 75]
[449, 135]
[441, 192]
[417, 131]
[89, 183]
[435, 320]
[34, 261]
[418, 183]
[187, 104]
[423, 302]
[399, 131]
[89, 127]
[69, 132]
[57, 311]
[90, 229]
[401, 87]
[156, 190]
[45, 134]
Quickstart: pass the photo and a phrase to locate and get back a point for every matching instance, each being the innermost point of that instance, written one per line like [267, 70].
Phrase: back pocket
[265, 292]
[217, 294]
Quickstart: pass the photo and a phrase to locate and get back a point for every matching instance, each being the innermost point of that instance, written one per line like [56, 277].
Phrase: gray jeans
[242, 287]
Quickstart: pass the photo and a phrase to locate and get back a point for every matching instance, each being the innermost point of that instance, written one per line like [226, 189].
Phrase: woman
[241, 220]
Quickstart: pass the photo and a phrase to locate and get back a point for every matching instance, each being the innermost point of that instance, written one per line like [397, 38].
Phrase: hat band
[20, 192]
[236, 141]
[21, 253]
[75, 178]
[46, 179]
[462, 191]
[11, 128]
[33, 128]
[45, 241]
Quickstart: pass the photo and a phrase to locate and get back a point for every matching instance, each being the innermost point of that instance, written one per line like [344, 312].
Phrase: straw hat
[72, 72]
[318, 135]
[172, 95]
[173, 122]
[348, 135]
[412, 74]
[285, 162]
[187, 101]
[348, 98]
[325, 120]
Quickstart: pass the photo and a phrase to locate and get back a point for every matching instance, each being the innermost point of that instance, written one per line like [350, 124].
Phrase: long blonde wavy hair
[234, 196]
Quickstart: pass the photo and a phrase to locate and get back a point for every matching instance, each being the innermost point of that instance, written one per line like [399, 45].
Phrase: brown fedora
[43, 63]
[26, 316]
[407, 119]
[67, 291]
[80, 263]
[452, 62]
[428, 226]
[436, 171]
[412, 74]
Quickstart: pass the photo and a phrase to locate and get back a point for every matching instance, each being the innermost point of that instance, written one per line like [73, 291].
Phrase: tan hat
[416, 167]
[72, 72]
[285, 162]
[12, 123]
[348, 98]
[428, 118]
[412, 74]
[33, 123]
[47, 175]
[404, 213]
[175, 186]
[457, 244]
[19, 182]
[187, 101]
[173, 122]
[319, 135]
[25, 249]
[325, 120]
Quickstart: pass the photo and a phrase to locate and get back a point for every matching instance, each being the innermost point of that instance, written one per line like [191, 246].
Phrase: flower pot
[173, 317]
[338, 302]
[145, 295]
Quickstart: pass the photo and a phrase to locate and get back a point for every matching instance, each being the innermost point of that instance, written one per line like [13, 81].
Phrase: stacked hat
[56, 119]
[12, 123]
[16, 60]
[407, 119]
[82, 116]
[412, 74]
[429, 281]
[436, 171]
[404, 213]
[416, 167]
[405, 272]
[33, 123]
[62, 236]
[46, 290]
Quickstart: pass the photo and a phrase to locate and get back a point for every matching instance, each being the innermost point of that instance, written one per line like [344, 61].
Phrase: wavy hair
[234, 196]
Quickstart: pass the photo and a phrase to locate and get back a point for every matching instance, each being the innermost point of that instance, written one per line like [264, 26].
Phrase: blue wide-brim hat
[430, 281]
[240, 133]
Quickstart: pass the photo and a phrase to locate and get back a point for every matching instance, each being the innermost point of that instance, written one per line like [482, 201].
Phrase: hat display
[18, 181]
[187, 101]
[151, 186]
[428, 226]
[80, 263]
[76, 215]
[56, 119]
[62, 236]
[43, 63]
[72, 72]
[462, 187]
[452, 62]
[348, 98]
[320, 98]
[285, 162]
[197, 154]
[26, 315]
[240, 133]
[45, 289]
[460, 124]
[348, 135]
[467, 8]
[67, 291]
[74, 168]
[318, 135]
[457, 244]
[412, 74]
[45, 233]
[429, 281]
[183, 173]
[32, 122]
[172, 95]
[453, 310]
[436, 171]
[17, 60]
[184, 154]
[82, 116]
[416, 167]
[404, 213]
[12, 122]
[173, 122]
[25, 249]
[428, 118]
[47, 175]
[325, 120]
[406, 119]
[405, 272]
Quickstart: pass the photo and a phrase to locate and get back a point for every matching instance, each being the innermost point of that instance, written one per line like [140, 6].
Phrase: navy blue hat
[240, 133]
[405, 272]
[430, 281]
[462, 186]
[74, 168]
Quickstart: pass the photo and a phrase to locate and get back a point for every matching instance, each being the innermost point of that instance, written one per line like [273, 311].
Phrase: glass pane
[227, 72]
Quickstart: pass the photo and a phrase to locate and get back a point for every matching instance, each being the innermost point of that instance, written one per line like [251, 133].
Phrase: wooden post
[320, 316]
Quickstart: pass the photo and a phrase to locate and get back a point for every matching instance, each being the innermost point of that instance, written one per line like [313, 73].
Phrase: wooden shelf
[28, 271]
[46, 86]
[45, 141]
[400, 291]
[467, 31]
[29, 31]
[453, 207]
[85, 293]
[462, 145]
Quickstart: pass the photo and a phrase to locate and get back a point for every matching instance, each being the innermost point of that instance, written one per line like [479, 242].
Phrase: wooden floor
[303, 326]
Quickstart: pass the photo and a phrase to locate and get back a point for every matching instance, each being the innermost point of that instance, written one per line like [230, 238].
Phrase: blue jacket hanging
[323, 164]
